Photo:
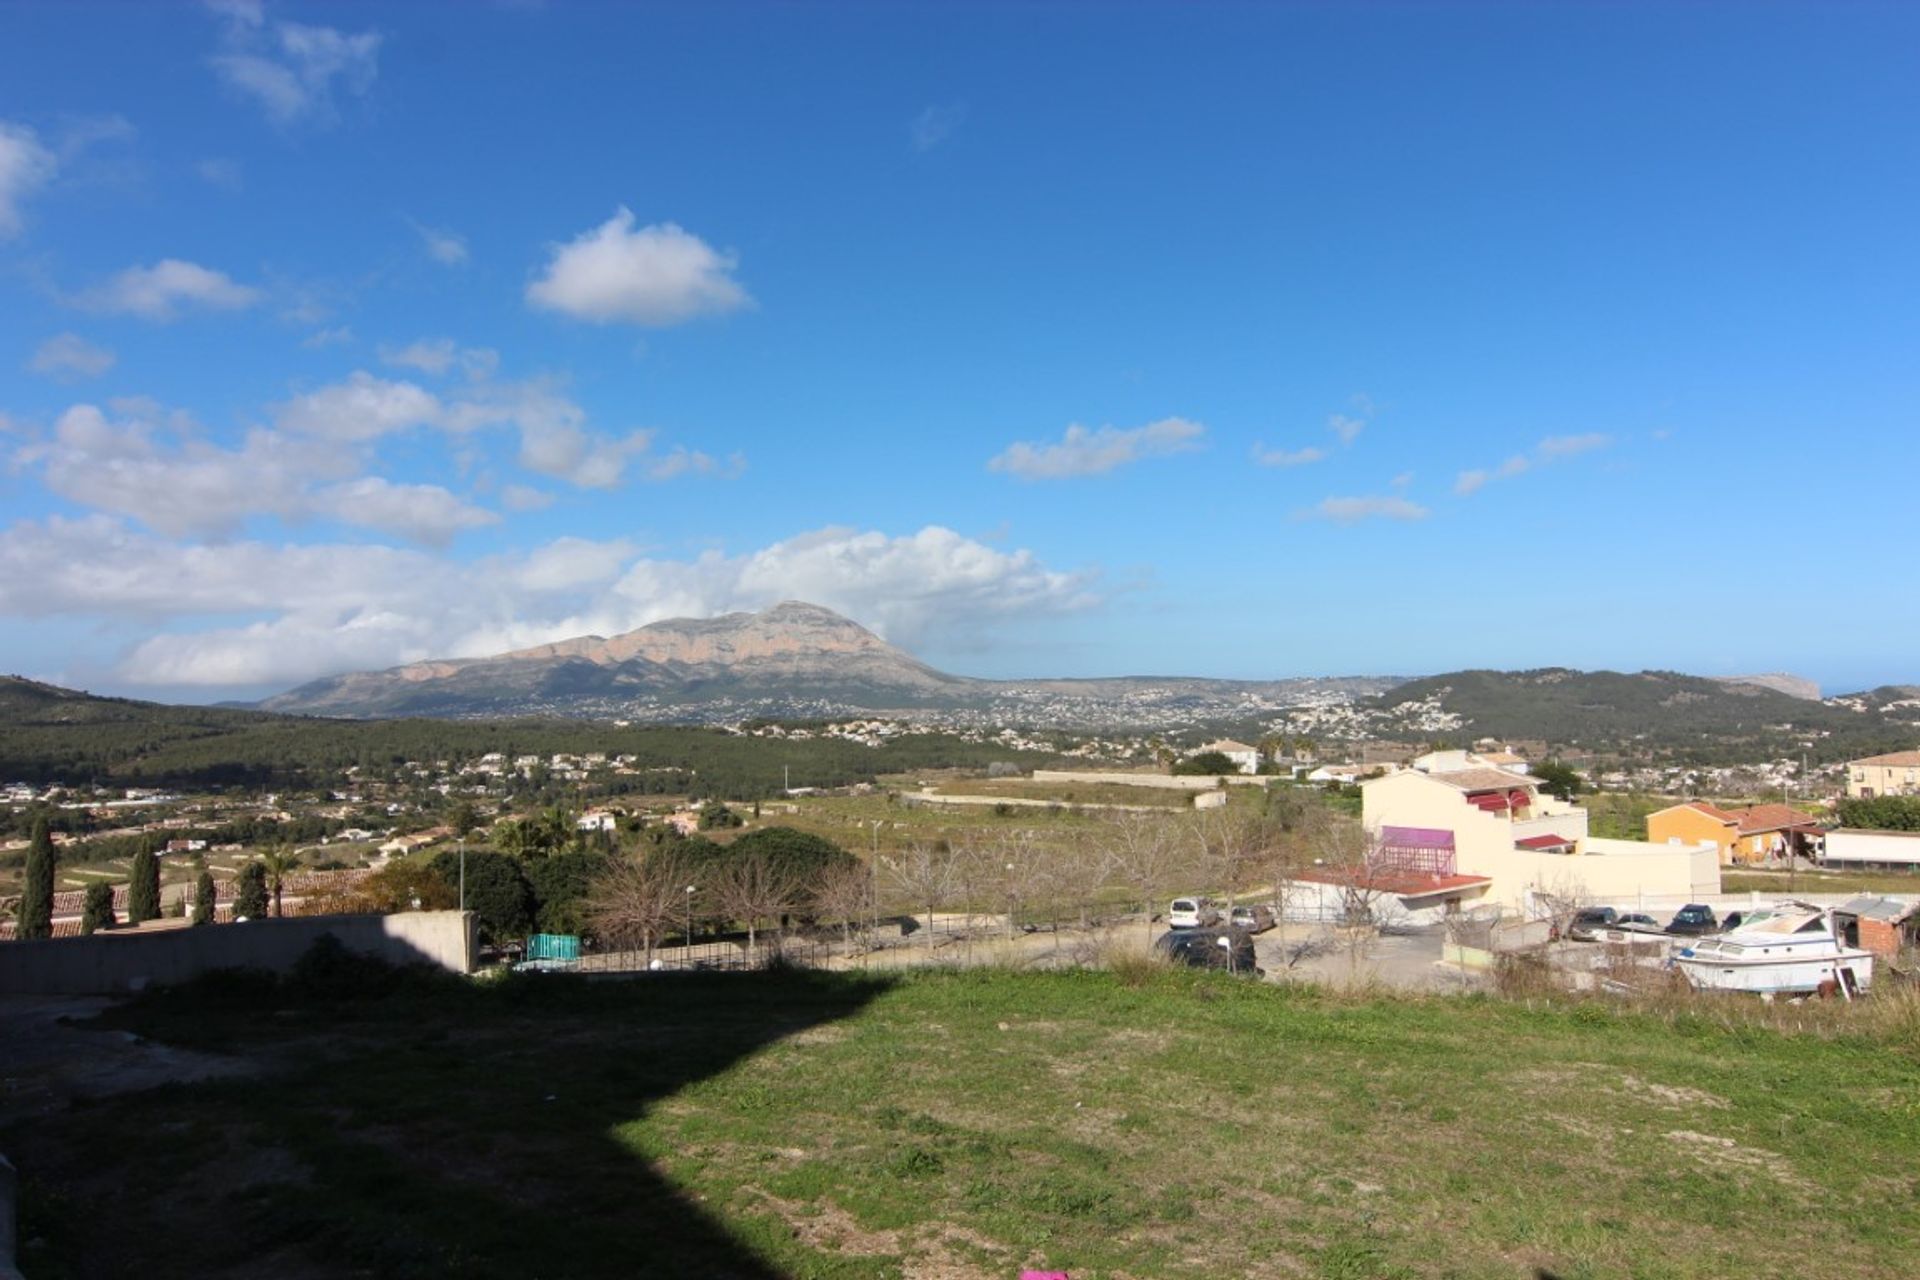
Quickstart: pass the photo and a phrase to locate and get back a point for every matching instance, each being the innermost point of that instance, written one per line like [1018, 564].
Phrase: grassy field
[1072, 793]
[948, 1126]
[1741, 881]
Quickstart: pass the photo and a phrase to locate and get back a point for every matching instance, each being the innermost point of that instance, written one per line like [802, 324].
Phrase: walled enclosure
[107, 963]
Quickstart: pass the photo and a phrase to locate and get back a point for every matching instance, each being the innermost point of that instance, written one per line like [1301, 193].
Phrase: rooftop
[1892, 757]
[1483, 779]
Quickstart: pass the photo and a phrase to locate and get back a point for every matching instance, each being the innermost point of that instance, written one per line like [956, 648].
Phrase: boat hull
[1777, 975]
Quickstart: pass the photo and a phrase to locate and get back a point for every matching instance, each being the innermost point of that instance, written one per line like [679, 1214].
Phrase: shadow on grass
[435, 1129]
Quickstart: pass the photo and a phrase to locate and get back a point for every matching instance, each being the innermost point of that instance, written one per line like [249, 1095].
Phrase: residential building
[1894, 774]
[1500, 827]
[1245, 758]
[1454, 760]
[1754, 834]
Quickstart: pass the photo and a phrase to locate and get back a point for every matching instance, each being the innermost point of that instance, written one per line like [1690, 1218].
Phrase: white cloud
[318, 609]
[1555, 447]
[1286, 457]
[1084, 452]
[1352, 510]
[68, 356]
[337, 336]
[361, 408]
[142, 464]
[521, 497]
[1550, 450]
[446, 247]
[25, 167]
[1347, 429]
[220, 172]
[936, 124]
[429, 355]
[424, 513]
[161, 291]
[656, 276]
[155, 468]
[291, 69]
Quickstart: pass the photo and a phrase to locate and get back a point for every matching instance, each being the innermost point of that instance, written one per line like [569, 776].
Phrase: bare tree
[1230, 845]
[1146, 855]
[927, 874]
[754, 889]
[844, 898]
[635, 902]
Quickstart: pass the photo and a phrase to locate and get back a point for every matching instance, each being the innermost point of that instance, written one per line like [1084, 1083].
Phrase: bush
[1206, 764]
[97, 913]
[497, 891]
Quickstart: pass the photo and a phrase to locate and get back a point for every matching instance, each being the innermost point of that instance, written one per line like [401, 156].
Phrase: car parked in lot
[1732, 921]
[1590, 922]
[1254, 919]
[1229, 949]
[1693, 920]
[1192, 913]
[1639, 922]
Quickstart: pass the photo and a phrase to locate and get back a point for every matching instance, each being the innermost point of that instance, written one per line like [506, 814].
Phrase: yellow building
[1895, 774]
[1753, 834]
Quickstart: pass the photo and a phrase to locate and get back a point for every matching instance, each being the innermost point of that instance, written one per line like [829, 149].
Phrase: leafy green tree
[1206, 764]
[36, 894]
[799, 858]
[143, 891]
[714, 815]
[250, 893]
[463, 818]
[561, 886]
[204, 895]
[497, 890]
[1559, 780]
[1880, 813]
[97, 911]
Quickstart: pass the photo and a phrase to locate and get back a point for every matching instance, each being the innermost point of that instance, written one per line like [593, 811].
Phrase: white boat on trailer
[1788, 950]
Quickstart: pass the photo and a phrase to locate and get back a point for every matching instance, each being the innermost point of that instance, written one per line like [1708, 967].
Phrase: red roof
[1542, 842]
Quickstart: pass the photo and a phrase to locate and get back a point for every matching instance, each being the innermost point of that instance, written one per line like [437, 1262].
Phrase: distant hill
[792, 660]
[1705, 717]
[1780, 682]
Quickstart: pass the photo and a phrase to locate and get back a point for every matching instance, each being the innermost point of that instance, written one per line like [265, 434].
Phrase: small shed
[1884, 926]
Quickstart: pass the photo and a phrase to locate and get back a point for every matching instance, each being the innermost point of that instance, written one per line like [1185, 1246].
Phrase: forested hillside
[49, 734]
[1690, 718]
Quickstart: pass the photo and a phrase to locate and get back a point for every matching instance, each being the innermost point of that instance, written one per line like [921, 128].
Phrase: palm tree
[280, 862]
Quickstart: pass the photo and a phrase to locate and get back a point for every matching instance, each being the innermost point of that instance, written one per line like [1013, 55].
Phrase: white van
[1192, 913]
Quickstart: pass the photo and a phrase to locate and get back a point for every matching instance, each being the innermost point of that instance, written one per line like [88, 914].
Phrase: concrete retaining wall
[108, 963]
[1163, 781]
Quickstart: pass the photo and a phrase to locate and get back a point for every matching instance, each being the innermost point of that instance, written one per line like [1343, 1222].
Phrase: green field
[959, 1125]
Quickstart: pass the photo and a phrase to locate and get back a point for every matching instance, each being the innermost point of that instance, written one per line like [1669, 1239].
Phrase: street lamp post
[688, 949]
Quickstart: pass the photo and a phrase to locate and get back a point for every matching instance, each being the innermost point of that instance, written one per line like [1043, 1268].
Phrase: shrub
[97, 912]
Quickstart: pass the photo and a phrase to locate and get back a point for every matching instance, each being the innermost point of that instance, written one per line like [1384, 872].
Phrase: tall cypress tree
[250, 895]
[143, 895]
[36, 895]
[203, 898]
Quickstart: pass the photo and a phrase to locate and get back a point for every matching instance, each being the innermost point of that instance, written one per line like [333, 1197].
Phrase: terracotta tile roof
[1484, 779]
[1712, 811]
[1771, 817]
[1542, 842]
[1892, 757]
[1501, 757]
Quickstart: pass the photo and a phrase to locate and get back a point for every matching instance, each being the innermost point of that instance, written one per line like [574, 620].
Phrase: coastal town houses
[1758, 833]
[1894, 774]
[1501, 827]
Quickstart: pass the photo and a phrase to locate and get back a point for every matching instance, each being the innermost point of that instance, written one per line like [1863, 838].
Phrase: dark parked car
[1693, 920]
[1229, 949]
[1590, 922]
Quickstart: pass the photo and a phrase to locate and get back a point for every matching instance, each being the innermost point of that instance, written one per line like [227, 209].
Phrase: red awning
[1543, 842]
[1490, 802]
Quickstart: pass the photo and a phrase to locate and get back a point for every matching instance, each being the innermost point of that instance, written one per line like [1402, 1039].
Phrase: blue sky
[1046, 339]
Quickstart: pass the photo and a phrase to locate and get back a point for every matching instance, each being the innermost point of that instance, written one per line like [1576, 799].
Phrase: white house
[1889, 850]
[1245, 758]
[1500, 827]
